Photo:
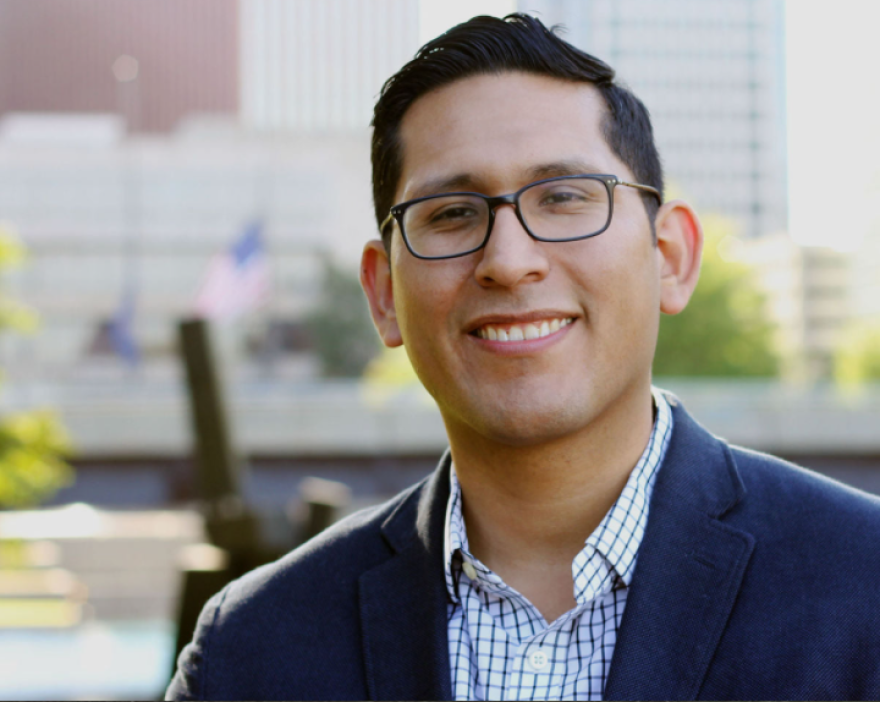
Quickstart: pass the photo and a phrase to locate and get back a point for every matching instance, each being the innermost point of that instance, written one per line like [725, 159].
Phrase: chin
[531, 423]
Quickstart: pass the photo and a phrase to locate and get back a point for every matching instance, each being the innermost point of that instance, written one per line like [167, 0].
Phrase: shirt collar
[618, 536]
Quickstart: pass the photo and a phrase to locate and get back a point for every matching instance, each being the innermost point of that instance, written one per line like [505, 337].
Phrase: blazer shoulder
[809, 592]
[790, 486]
[340, 553]
[254, 636]
[709, 473]
[813, 525]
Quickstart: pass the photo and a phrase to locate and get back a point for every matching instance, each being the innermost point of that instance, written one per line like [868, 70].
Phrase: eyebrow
[562, 168]
[444, 184]
[471, 182]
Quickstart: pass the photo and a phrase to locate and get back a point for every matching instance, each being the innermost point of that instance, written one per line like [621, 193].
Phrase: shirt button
[538, 659]
[469, 570]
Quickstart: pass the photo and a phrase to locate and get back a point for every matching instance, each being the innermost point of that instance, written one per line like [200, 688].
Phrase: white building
[809, 300]
[101, 214]
[866, 276]
[318, 65]
[815, 296]
[711, 73]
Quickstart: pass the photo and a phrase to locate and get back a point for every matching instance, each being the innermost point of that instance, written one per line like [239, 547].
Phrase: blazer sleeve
[190, 680]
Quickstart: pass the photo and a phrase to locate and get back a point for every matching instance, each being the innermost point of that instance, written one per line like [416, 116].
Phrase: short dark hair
[489, 45]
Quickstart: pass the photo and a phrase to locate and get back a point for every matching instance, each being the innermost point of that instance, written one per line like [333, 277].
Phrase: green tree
[340, 326]
[724, 331]
[32, 443]
[857, 356]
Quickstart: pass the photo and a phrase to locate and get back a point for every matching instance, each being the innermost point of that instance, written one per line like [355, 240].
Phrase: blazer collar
[689, 571]
[403, 601]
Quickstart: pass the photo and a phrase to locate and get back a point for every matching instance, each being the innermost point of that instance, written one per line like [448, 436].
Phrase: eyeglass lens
[560, 209]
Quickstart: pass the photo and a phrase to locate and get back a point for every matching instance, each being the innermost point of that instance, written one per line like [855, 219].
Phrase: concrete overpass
[348, 430]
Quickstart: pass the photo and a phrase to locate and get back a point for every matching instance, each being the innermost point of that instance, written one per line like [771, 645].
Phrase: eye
[445, 215]
[563, 196]
[453, 213]
[568, 196]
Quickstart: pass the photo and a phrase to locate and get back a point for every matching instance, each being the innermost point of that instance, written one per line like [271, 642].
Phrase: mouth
[522, 331]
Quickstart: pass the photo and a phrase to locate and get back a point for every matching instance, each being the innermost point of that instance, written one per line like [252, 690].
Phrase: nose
[511, 257]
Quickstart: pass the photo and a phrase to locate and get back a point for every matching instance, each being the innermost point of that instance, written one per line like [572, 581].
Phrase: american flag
[237, 280]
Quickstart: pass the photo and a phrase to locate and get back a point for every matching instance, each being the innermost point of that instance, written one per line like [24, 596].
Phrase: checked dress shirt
[501, 648]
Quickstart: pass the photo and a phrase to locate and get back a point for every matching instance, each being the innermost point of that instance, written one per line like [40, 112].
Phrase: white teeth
[525, 332]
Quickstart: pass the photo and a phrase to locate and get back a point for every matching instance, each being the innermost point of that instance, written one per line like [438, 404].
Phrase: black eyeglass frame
[609, 181]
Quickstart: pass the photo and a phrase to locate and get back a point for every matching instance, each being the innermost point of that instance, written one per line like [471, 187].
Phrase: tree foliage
[724, 331]
[857, 357]
[340, 327]
[32, 443]
[31, 465]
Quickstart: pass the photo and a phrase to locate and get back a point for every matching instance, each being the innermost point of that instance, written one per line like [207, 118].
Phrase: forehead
[494, 132]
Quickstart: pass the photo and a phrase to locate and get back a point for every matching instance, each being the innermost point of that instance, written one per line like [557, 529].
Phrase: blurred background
[190, 381]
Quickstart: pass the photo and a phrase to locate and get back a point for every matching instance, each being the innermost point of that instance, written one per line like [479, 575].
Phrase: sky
[832, 106]
[833, 114]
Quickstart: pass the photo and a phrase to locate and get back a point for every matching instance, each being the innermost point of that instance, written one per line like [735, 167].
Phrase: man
[583, 537]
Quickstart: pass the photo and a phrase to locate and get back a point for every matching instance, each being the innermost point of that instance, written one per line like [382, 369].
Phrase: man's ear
[680, 248]
[376, 281]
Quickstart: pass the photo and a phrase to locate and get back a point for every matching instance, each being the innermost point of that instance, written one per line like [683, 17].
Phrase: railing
[140, 417]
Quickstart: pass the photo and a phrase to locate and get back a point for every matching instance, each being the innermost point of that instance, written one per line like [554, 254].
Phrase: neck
[529, 509]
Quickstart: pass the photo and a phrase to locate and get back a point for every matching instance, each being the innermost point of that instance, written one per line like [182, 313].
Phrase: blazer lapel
[689, 571]
[403, 601]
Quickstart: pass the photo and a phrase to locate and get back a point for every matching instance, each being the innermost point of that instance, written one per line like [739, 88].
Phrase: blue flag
[121, 329]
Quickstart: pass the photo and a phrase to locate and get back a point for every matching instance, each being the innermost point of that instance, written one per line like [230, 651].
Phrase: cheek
[423, 313]
[624, 283]
[424, 296]
[642, 299]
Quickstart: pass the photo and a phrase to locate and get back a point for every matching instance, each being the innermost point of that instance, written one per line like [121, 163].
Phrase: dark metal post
[238, 541]
[324, 499]
[218, 467]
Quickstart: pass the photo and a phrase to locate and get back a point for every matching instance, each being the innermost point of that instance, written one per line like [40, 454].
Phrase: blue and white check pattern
[501, 648]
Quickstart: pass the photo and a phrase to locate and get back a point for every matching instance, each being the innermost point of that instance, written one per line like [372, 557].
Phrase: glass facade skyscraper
[712, 74]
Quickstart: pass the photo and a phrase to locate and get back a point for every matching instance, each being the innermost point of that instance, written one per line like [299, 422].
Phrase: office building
[318, 65]
[712, 75]
[58, 56]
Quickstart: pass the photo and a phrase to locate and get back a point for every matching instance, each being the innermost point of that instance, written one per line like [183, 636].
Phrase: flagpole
[266, 359]
[126, 70]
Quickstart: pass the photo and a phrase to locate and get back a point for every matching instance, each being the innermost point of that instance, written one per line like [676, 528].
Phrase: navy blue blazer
[756, 580]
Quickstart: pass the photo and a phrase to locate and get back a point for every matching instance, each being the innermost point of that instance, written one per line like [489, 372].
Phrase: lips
[522, 331]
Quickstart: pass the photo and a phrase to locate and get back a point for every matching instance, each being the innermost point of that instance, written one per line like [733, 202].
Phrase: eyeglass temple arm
[386, 222]
[645, 188]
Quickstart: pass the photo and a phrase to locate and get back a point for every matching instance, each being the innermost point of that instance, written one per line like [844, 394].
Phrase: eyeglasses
[566, 208]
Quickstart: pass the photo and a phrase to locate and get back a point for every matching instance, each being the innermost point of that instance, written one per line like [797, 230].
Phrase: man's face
[493, 134]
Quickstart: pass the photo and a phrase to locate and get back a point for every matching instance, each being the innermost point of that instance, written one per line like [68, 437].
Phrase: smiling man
[583, 538]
